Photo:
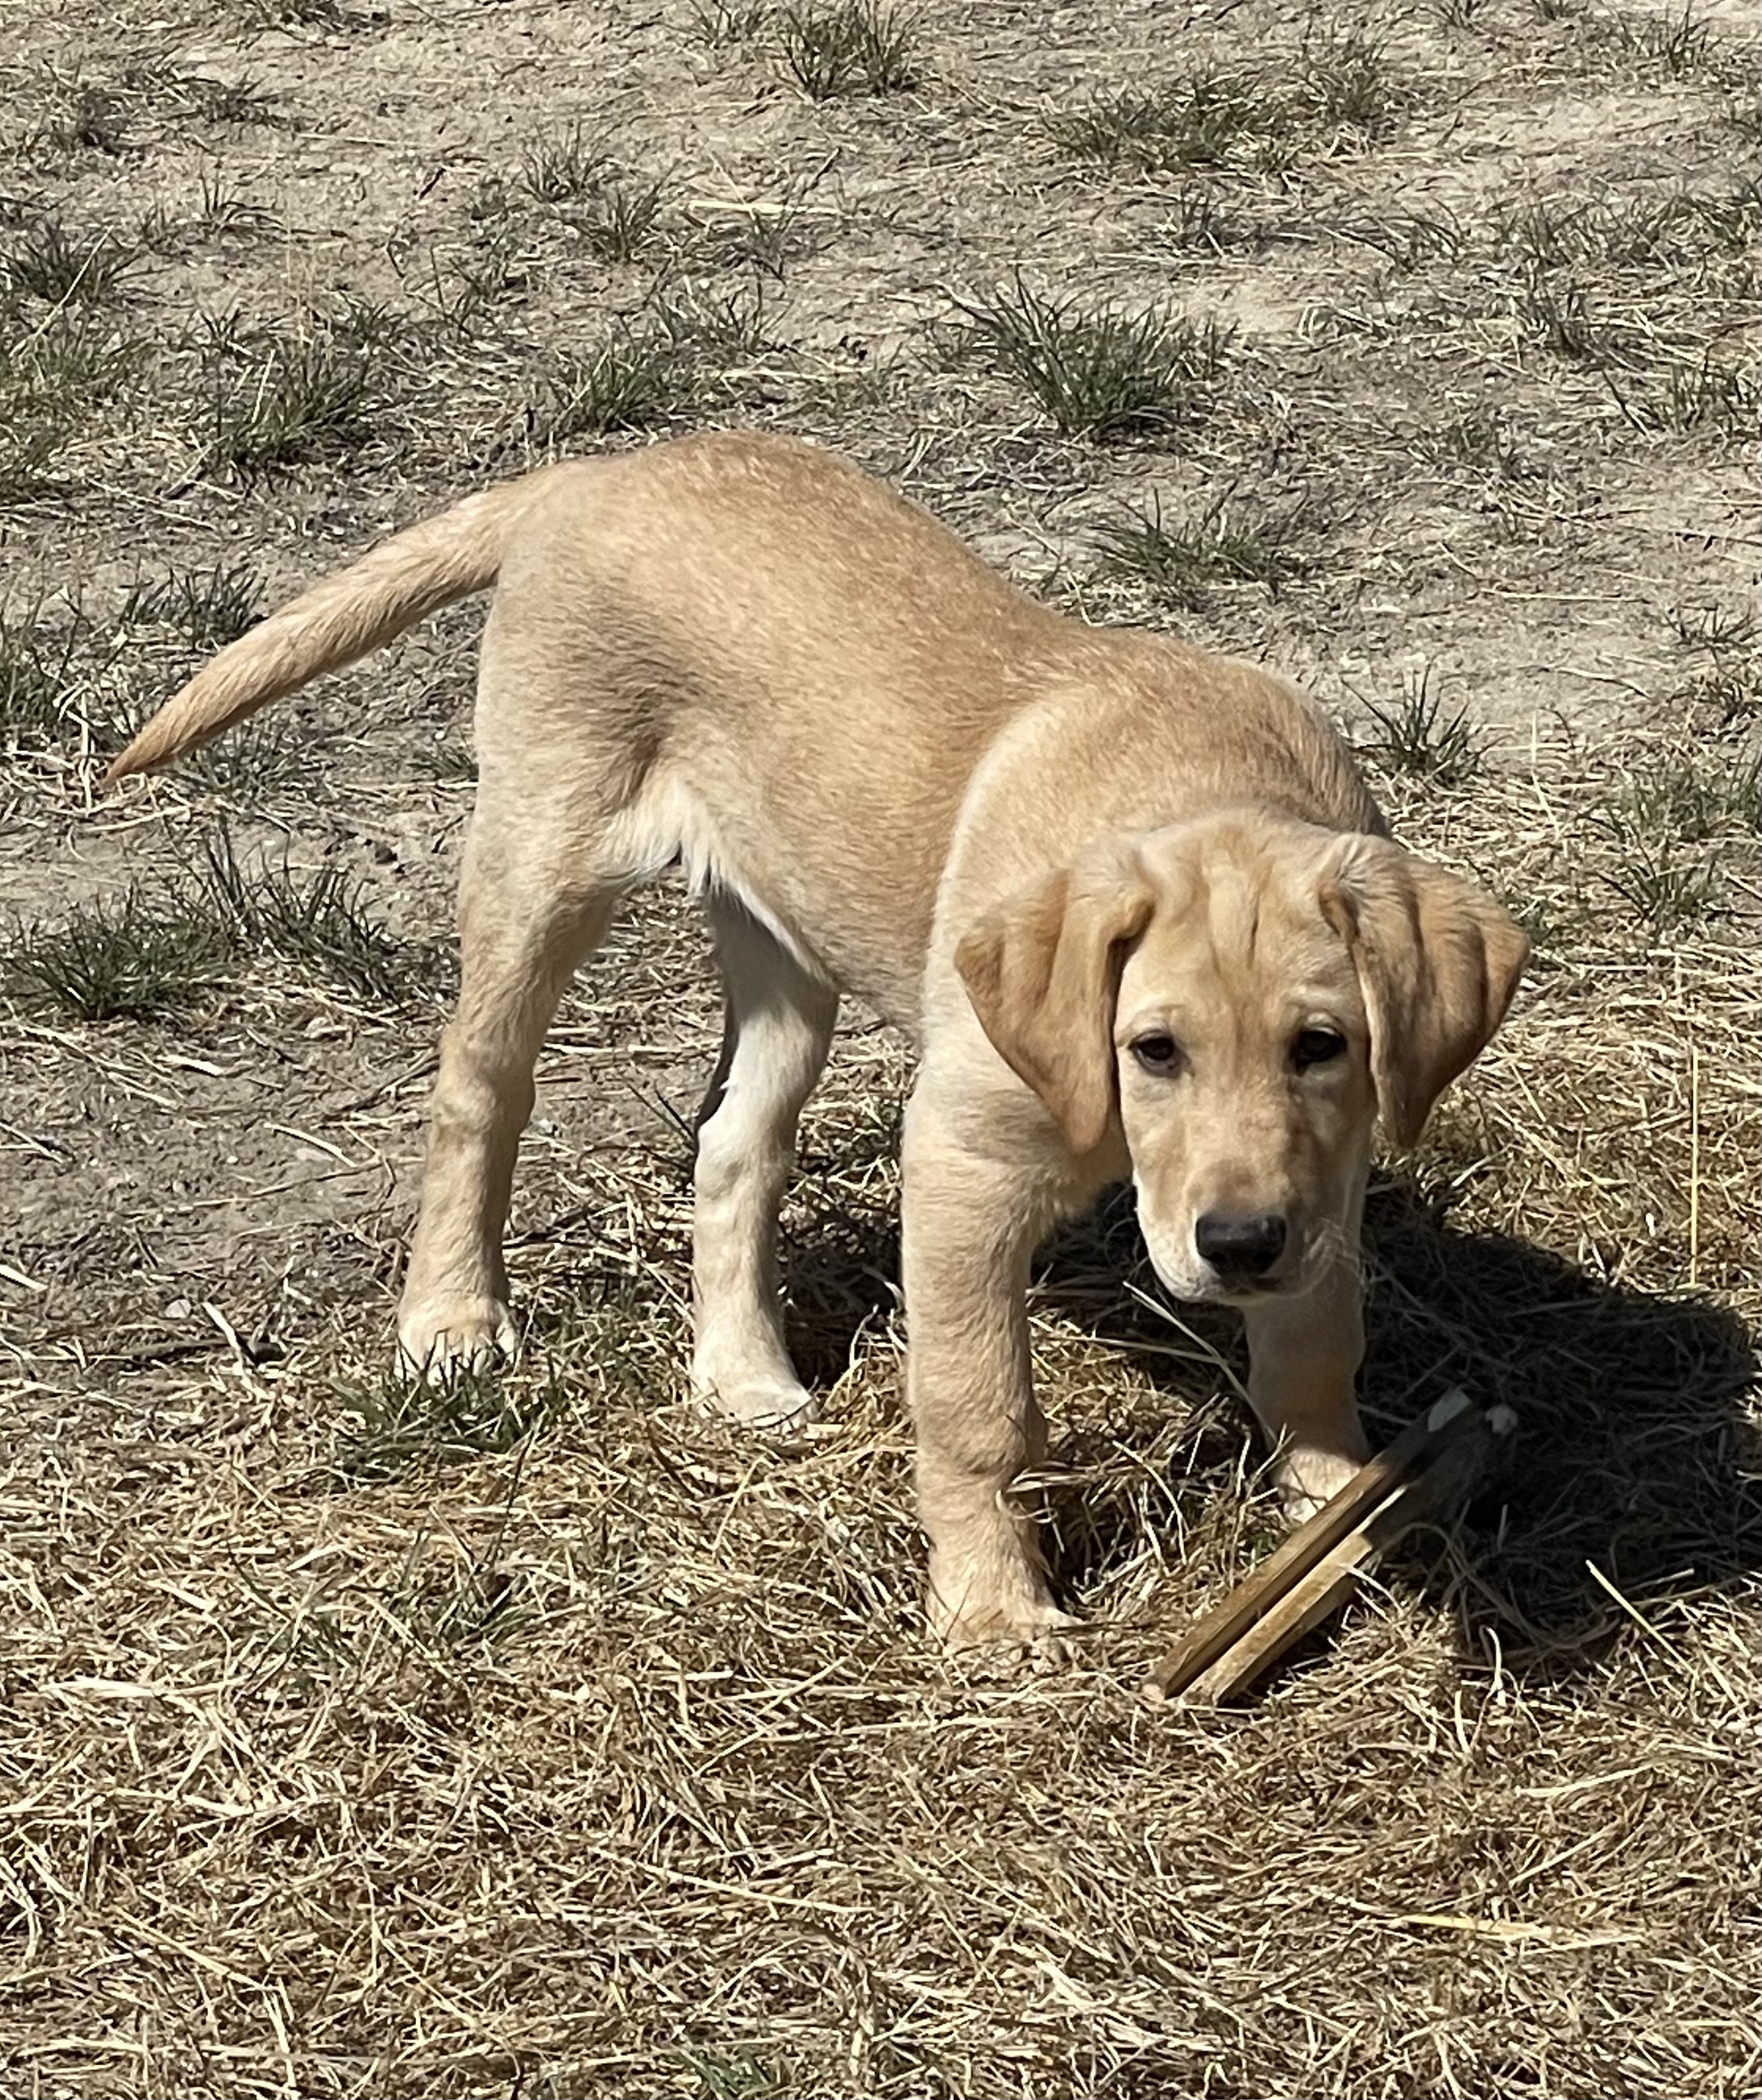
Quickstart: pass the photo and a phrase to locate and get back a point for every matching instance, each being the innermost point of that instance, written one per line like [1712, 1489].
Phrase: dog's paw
[1015, 1615]
[1307, 1481]
[766, 1401]
[442, 1338]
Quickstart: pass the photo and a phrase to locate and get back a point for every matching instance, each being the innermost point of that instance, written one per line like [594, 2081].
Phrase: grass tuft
[633, 380]
[619, 220]
[1420, 737]
[136, 956]
[275, 398]
[766, 240]
[320, 920]
[90, 121]
[1345, 82]
[330, 15]
[403, 1419]
[1669, 885]
[148, 953]
[722, 22]
[48, 265]
[1681, 44]
[218, 215]
[272, 753]
[206, 608]
[1180, 563]
[36, 663]
[686, 350]
[1695, 803]
[1194, 123]
[852, 47]
[560, 170]
[1101, 372]
[1340, 90]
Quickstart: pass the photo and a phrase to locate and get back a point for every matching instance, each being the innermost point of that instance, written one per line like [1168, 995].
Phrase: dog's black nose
[1239, 1245]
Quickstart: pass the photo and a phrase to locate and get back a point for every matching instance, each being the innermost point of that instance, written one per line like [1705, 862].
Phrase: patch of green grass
[1561, 314]
[1714, 627]
[401, 1419]
[84, 118]
[1412, 240]
[359, 324]
[303, 14]
[1731, 691]
[761, 239]
[1743, 114]
[1260, 116]
[271, 753]
[1663, 231]
[617, 217]
[1181, 562]
[218, 214]
[744, 2076]
[1708, 394]
[1480, 437]
[560, 170]
[1420, 737]
[710, 330]
[167, 92]
[472, 1606]
[28, 455]
[1694, 803]
[1668, 884]
[481, 1608]
[319, 921]
[1345, 81]
[135, 957]
[685, 349]
[632, 380]
[275, 398]
[56, 371]
[1199, 218]
[49, 265]
[489, 273]
[618, 221]
[36, 663]
[146, 954]
[1100, 372]
[207, 608]
[1681, 44]
[720, 23]
[850, 47]
[1194, 122]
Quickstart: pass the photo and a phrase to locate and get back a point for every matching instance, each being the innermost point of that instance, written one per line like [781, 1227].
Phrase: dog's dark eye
[1317, 1046]
[1158, 1053]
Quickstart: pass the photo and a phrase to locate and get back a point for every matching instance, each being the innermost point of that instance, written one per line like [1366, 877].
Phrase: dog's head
[1247, 995]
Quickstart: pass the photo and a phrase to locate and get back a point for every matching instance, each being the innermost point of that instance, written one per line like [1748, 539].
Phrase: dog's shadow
[1633, 1460]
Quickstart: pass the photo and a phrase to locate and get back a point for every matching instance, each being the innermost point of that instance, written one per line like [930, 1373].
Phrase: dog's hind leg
[777, 1029]
[528, 916]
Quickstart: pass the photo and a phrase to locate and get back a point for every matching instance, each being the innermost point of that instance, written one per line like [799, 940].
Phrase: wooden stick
[1316, 1568]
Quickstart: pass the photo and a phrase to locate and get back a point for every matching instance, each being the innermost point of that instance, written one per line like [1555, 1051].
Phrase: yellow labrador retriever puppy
[1132, 902]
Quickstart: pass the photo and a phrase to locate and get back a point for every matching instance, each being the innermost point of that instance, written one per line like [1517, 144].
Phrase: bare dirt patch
[540, 1739]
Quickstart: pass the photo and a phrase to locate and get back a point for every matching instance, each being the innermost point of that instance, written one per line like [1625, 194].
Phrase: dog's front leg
[970, 1225]
[1303, 1354]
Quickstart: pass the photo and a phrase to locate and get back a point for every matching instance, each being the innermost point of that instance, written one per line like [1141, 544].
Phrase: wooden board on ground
[1428, 1468]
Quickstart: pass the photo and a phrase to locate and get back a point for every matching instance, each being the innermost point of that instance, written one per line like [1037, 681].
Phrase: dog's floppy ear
[1438, 961]
[1042, 970]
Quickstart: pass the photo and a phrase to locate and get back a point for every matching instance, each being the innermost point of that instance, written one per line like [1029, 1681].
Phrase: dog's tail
[337, 621]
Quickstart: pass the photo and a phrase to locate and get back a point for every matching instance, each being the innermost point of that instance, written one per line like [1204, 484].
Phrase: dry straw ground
[539, 1739]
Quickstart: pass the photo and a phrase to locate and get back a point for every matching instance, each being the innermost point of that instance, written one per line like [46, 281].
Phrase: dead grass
[534, 1735]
